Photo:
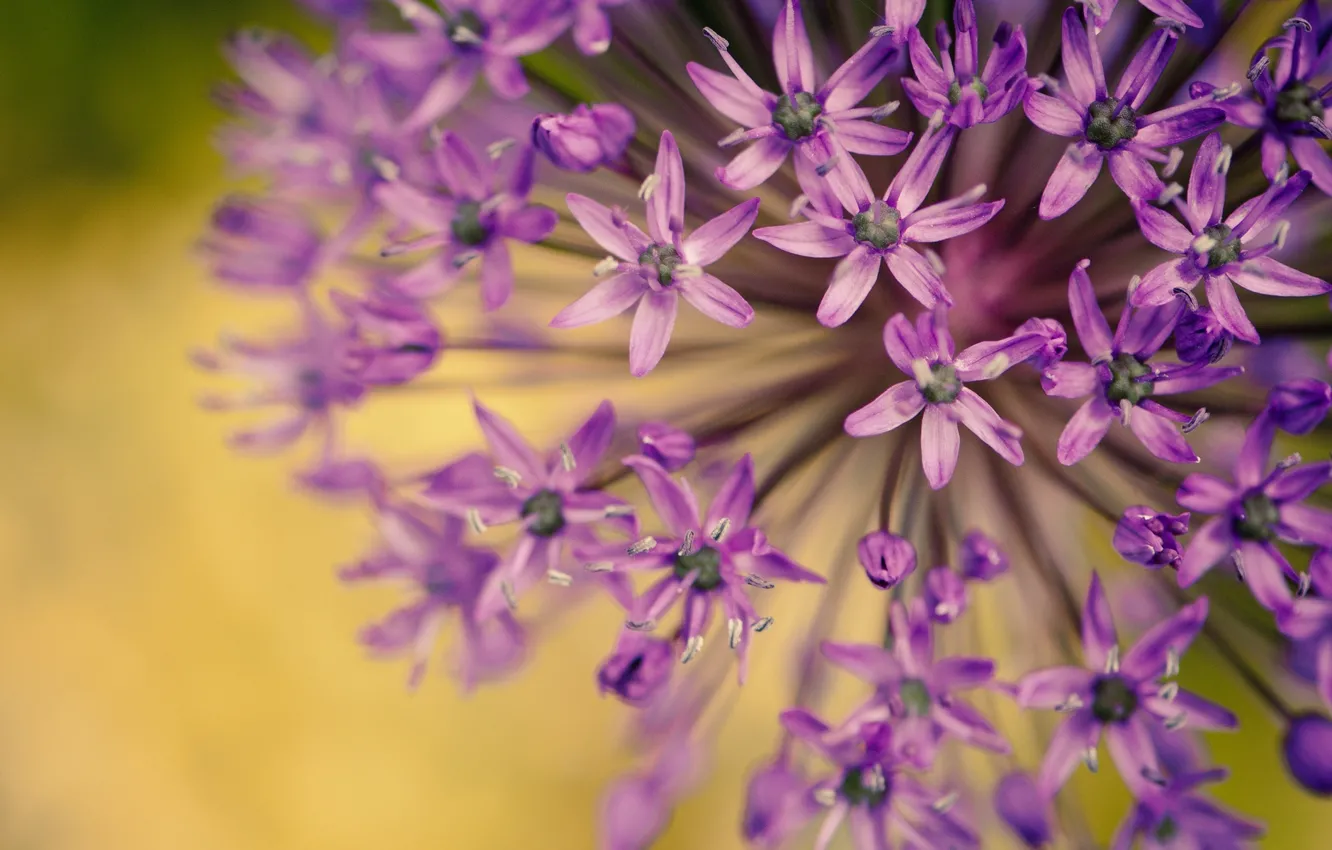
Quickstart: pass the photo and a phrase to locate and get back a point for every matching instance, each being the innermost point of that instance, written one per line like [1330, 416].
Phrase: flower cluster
[440, 144]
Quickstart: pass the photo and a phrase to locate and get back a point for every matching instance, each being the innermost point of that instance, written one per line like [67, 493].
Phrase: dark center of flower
[915, 697]
[878, 226]
[1260, 515]
[1166, 829]
[1297, 103]
[466, 28]
[855, 792]
[438, 582]
[628, 674]
[467, 226]
[1113, 699]
[312, 389]
[1107, 130]
[707, 561]
[663, 258]
[1225, 248]
[546, 507]
[944, 385]
[797, 114]
[1125, 372]
[955, 90]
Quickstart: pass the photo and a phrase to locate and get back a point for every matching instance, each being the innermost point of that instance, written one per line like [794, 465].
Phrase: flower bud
[1056, 342]
[1020, 804]
[670, 447]
[1146, 537]
[637, 670]
[887, 558]
[1297, 407]
[945, 595]
[1307, 748]
[981, 558]
[585, 139]
[1199, 337]
[261, 244]
[772, 805]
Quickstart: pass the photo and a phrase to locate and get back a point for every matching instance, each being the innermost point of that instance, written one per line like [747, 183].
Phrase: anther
[877, 781]
[495, 150]
[510, 598]
[599, 566]
[798, 206]
[559, 578]
[1290, 460]
[1223, 159]
[717, 41]
[474, 521]
[1320, 126]
[732, 139]
[1282, 232]
[463, 35]
[1257, 68]
[1153, 777]
[647, 544]
[508, 476]
[825, 796]
[688, 270]
[1190, 300]
[1302, 590]
[719, 531]
[1134, 283]
[1172, 663]
[649, 186]
[884, 111]
[640, 625]
[606, 266]
[464, 258]
[1169, 193]
[613, 511]
[1169, 691]
[1238, 560]
[1125, 410]
[1070, 704]
[693, 647]
[567, 459]
[1176, 722]
[734, 629]
[1048, 82]
[937, 119]
[997, 365]
[1198, 418]
[386, 168]
[881, 30]
[920, 370]
[1302, 23]
[944, 803]
[1282, 175]
[1226, 92]
[756, 580]
[936, 262]
[1169, 24]
[1092, 759]
[687, 547]
[1112, 660]
[763, 624]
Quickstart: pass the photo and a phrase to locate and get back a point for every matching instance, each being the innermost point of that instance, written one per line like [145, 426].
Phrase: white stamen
[510, 598]
[944, 803]
[920, 370]
[1202, 243]
[599, 566]
[606, 266]
[881, 30]
[877, 781]
[687, 547]
[1282, 231]
[717, 41]
[974, 194]
[556, 577]
[884, 111]
[495, 150]
[1176, 722]
[649, 186]
[340, 173]
[1048, 82]
[755, 580]
[1172, 164]
[1290, 460]
[1190, 300]
[1303, 589]
[1112, 660]
[798, 206]
[1070, 704]
[508, 476]
[937, 119]
[1226, 92]
[1169, 24]
[825, 796]
[1169, 193]
[1282, 175]
[1302, 23]
[692, 648]
[1320, 127]
[1195, 420]
[464, 258]
[763, 624]
[474, 521]
[1092, 759]
[1125, 410]
[387, 168]
[732, 139]
[647, 544]
[1257, 68]
[688, 270]
[1133, 283]
[1169, 691]
[1238, 560]
[734, 629]
[1172, 663]
[567, 459]
[613, 511]
[936, 262]
[719, 531]
[1223, 159]
[997, 366]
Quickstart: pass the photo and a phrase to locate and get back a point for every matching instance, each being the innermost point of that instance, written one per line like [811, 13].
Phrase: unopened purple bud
[1297, 407]
[945, 595]
[1020, 804]
[1146, 537]
[982, 559]
[1307, 748]
[1056, 342]
[772, 810]
[887, 558]
[395, 339]
[585, 139]
[1199, 337]
[668, 446]
[638, 669]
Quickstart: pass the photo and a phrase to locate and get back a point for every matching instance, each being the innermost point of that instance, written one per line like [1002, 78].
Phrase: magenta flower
[1257, 510]
[1309, 620]
[1222, 253]
[822, 123]
[585, 139]
[480, 211]
[1121, 379]
[981, 558]
[427, 553]
[1307, 748]
[966, 95]
[638, 669]
[1120, 697]
[776, 804]
[1110, 127]
[1147, 537]
[881, 230]
[654, 271]
[938, 388]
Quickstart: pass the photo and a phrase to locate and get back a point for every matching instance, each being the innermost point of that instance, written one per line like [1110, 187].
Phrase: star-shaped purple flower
[1122, 380]
[1173, 814]
[1111, 127]
[938, 388]
[654, 271]
[1309, 620]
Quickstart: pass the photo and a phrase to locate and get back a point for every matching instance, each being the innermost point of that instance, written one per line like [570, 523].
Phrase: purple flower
[1121, 697]
[394, 340]
[1121, 380]
[585, 139]
[1056, 342]
[1222, 253]
[981, 559]
[1308, 620]
[546, 495]
[822, 123]
[458, 45]
[1146, 537]
[262, 244]
[638, 669]
[1299, 406]
[591, 24]
[886, 558]
[708, 563]
[881, 230]
[1307, 747]
[926, 352]
[1110, 126]
[1254, 512]
[427, 553]
[1171, 814]
[917, 692]
[1200, 336]
[1175, 10]
[670, 447]
[653, 271]
[636, 808]
[945, 595]
[1020, 803]
[966, 95]
[479, 212]
[775, 804]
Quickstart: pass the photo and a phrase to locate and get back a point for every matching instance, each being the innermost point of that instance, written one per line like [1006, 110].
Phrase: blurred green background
[177, 668]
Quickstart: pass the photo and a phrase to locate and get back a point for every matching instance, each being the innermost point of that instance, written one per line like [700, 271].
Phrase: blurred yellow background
[177, 663]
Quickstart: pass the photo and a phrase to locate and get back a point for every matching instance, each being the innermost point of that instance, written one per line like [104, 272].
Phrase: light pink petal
[507, 447]
[716, 300]
[599, 224]
[754, 164]
[1085, 430]
[982, 420]
[709, 243]
[939, 446]
[1077, 170]
[651, 332]
[1052, 115]
[729, 97]
[609, 298]
[917, 276]
[895, 406]
[851, 282]
[807, 239]
[666, 206]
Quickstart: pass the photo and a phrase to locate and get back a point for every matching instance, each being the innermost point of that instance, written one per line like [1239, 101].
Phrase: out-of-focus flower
[1145, 536]
[394, 340]
[585, 139]
[886, 558]
[637, 807]
[1024, 809]
[262, 244]
[670, 447]
[1172, 814]
[638, 669]
[1307, 747]
[1297, 407]
[981, 559]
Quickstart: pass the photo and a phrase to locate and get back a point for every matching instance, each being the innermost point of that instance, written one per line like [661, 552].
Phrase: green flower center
[466, 28]
[1107, 130]
[1125, 371]
[797, 114]
[1166, 830]
[955, 90]
[664, 258]
[546, 507]
[1260, 516]
[944, 385]
[1113, 699]
[880, 226]
[915, 697]
[855, 792]
[1297, 103]
[1225, 248]
[707, 561]
[467, 227]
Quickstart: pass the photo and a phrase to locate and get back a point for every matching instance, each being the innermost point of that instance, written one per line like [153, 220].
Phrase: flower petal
[530, 224]
[898, 404]
[1079, 62]
[665, 207]
[792, 53]
[1266, 276]
[1205, 494]
[507, 447]
[1135, 175]
[1209, 545]
[716, 300]
[939, 446]
[1085, 430]
[1147, 659]
[866, 662]
[917, 276]
[651, 332]
[902, 342]
[607, 299]
[982, 420]
[1070, 380]
[1198, 713]
[1158, 286]
[851, 282]
[420, 209]
[1131, 749]
[1159, 436]
[1077, 170]
[496, 275]
[1161, 228]
[735, 498]
[1092, 327]
[729, 97]
[1207, 184]
[1311, 526]
[1066, 751]
[871, 139]
[807, 239]
[924, 226]
[913, 181]
[709, 243]
[1052, 114]
[1098, 626]
[588, 444]
[754, 164]
[599, 224]
[674, 503]
[1053, 686]
[1229, 312]
[1265, 571]
[858, 75]
[1179, 128]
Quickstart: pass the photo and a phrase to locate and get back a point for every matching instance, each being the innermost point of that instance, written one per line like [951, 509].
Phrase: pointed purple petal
[1199, 713]
[807, 239]
[1225, 304]
[1161, 228]
[902, 342]
[917, 276]
[1131, 749]
[851, 282]
[1135, 176]
[755, 164]
[1052, 686]
[1085, 430]
[1098, 626]
[1158, 286]
[1147, 659]
[1070, 380]
[982, 420]
[507, 447]
[599, 224]
[673, 503]
[792, 53]
[1066, 751]
[913, 182]
[1052, 114]
[607, 299]
[1179, 128]
[1077, 170]
[729, 97]
[871, 139]
[1209, 545]
[588, 444]
[716, 300]
[1159, 436]
[651, 331]
[1093, 330]
[898, 404]
[939, 446]
[709, 243]
[666, 206]
[1207, 184]
[1266, 276]
[1205, 494]
[1310, 525]
[926, 226]
[1078, 58]
[735, 498]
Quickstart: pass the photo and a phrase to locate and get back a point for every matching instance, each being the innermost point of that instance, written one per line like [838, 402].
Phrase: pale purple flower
[1121, 380]
[886, 558]
[981, 558]
[481, 209]
[426, 553]
[1173, 815]
[937, 388]
[710, 560]
[670, 447]
[1120, 696]
[822, 123]
[966, 94]
[585, 139]
[1299, 406]
[1110, 127]
[636, 808]
[1024, 809]
[1309, 621]
[1307, 747]
[1147, 537]
[1056, 342]
[1223, 252]
[945, 595]
[1175, 10]
[262, 244]
[638, 669]
[1257, 510]
[881, 230]
[654, 269]
[394, 340]
[1200, 336]
[466, 39]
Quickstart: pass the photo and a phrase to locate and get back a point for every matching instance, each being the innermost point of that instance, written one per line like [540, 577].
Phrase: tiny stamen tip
[1302, 23]
[723, 525]
[881, 30]
[762, 624]
[647, 544]
[717, 41]
[559, 578]
[567, 459]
